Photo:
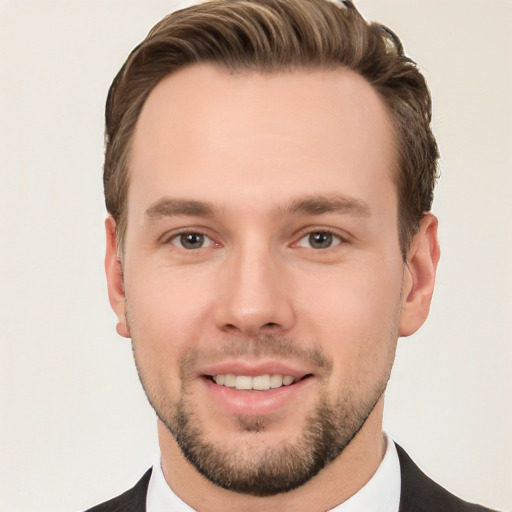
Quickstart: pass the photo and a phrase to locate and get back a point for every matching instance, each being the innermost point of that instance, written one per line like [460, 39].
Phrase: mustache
[265, 346]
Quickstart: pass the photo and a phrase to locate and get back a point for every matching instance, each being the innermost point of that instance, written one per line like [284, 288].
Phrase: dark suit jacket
[419, 494]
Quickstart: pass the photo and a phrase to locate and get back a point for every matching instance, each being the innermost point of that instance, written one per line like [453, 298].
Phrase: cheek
[167, 300]
[167, 315]
[354, 315]
[348, 296]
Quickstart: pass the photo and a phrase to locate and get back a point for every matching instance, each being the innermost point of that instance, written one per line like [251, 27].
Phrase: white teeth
[243, 382]
[276, 381]
[260, 382]
[229, 380]
[287, 380]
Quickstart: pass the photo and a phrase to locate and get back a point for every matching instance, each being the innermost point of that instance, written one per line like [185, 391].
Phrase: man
[269, 174]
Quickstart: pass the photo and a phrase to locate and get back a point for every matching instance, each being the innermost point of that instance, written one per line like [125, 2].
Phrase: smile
[255, 392]
[258, 382]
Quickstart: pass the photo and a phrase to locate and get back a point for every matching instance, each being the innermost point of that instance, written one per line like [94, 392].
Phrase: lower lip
[254, 403]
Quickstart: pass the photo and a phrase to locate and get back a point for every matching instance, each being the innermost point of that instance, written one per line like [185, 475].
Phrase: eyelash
[337, 239]
[178, 236]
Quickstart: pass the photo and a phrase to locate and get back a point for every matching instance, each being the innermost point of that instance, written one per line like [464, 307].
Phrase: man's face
[262, 249]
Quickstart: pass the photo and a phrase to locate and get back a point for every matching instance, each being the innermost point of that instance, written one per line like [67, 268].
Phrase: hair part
[271, 36]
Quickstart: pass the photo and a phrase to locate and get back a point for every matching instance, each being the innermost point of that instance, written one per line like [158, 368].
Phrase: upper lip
[252, 369]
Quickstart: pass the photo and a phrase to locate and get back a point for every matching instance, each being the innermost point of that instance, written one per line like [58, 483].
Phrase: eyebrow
[308, 205]
[318, 205]
[167, 207]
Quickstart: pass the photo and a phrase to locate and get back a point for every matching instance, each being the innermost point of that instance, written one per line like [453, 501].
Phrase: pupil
[192, 240]
[320, 240]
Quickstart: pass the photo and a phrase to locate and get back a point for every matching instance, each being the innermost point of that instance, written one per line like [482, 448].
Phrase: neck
[351, 471]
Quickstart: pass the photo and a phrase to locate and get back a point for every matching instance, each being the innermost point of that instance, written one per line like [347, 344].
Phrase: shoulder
[133, 500]
[421, 494]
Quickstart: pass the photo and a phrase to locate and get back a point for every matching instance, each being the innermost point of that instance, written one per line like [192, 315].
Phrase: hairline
[242, 69]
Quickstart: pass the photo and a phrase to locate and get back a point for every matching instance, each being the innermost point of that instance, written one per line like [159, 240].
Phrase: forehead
[204, 130]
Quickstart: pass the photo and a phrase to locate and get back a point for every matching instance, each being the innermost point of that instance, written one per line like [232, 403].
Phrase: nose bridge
[256, 290]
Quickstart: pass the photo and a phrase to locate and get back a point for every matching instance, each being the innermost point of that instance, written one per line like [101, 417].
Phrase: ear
[420, 275]
[114, 271]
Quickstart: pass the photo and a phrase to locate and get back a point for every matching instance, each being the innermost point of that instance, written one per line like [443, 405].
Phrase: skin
[259, 150]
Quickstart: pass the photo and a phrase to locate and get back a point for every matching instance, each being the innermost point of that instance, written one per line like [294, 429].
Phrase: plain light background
[75, 428]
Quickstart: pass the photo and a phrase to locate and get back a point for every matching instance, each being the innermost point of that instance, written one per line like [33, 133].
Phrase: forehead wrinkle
[168, 207]
[320, 204]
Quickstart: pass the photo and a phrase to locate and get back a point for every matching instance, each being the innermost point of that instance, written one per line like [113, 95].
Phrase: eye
[319, 240]
[191, 241]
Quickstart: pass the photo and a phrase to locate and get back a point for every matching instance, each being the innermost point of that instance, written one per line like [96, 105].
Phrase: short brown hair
[271, 36]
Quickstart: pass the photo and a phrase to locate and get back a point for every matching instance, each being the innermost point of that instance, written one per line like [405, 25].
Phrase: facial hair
[252, 468]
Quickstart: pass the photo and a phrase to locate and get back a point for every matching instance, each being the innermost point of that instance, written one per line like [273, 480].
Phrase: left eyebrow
[318, 205]
[167, 207]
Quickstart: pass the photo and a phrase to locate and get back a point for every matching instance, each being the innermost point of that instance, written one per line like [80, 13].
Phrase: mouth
[255, 388]
[263, 382]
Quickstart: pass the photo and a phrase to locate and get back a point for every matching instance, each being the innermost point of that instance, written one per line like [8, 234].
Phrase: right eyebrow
[167, 207]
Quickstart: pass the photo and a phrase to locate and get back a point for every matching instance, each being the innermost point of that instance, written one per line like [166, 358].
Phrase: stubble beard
[251, 467]
[267, 471]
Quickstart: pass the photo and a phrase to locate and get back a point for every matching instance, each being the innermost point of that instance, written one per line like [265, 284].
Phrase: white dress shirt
[380, 494]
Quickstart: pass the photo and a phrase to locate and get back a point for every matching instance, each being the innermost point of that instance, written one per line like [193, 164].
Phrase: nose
[255, 295]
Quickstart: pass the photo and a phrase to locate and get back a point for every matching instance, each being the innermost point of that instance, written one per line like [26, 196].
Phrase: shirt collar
[380, 494]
